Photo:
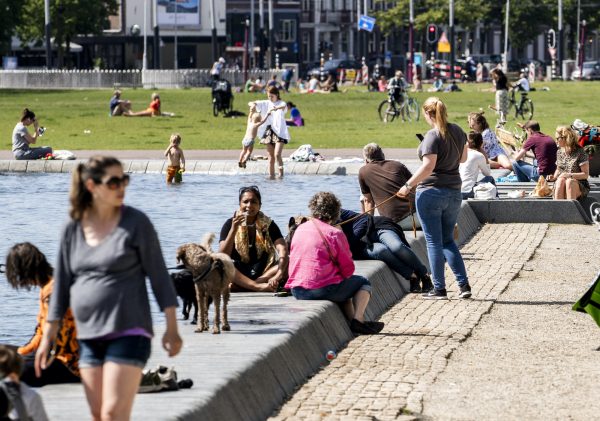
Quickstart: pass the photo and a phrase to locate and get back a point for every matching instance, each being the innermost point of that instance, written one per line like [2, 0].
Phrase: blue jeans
[338, 293]
[525, 172]
[486, 179]
[438, 211]
[389, 248]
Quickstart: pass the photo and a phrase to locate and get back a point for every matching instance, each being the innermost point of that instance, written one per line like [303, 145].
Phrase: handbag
[485, 191]
[590, 301]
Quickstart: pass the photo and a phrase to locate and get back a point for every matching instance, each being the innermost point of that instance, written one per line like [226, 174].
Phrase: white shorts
[247, 142]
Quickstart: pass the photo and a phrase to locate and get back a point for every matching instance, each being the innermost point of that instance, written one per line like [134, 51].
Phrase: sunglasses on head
[249, 188]
[113, 183]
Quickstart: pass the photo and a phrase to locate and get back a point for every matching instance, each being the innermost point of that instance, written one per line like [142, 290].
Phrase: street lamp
[247, 25]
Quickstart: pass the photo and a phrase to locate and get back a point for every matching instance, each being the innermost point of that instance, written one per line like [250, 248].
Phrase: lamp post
[582, 47]
[411, 46]
[175, 57]
[47, 33]
[505, 61]
[451, 25]
[559, 47]
[247, 24]
[578, 36]
[155, 37]
[213, 31]
[144, 57]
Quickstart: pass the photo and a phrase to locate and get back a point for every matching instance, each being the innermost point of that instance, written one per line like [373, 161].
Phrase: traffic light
[432, 33]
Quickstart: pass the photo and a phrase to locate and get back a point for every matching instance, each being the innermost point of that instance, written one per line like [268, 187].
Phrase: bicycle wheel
[413, 110]
[527, 110]
[215, 109]
[515, 107]
[387, 111]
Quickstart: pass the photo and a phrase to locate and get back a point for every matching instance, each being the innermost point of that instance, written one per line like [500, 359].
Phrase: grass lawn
[339, 120]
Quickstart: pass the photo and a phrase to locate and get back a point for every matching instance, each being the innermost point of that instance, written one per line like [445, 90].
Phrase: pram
[222, 97]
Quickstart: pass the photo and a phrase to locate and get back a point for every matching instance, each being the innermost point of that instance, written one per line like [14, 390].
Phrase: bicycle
[523, 108]
[389, 109]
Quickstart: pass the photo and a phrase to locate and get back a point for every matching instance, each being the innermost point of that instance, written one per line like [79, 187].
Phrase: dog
[293, 224]
[184, 286]
[212, 272]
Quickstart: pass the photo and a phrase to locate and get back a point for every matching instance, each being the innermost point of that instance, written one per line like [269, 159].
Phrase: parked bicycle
[407, 108]
[523, 108]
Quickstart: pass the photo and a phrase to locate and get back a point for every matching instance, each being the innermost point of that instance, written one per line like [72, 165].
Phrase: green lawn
[342, 120]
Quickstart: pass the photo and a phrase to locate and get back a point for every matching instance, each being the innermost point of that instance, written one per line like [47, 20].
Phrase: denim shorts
[338, 293]
[128, 350]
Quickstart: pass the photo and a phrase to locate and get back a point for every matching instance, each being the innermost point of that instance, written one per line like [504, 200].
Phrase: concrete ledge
[274, 346]
[508, 211]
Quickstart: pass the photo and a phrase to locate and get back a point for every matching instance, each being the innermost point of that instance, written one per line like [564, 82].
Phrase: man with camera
[21, 139]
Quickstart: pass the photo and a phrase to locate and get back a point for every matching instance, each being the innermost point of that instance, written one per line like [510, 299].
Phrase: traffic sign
[366, 23]
[443, 44]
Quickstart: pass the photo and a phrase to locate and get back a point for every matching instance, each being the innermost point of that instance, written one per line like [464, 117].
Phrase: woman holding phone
[21, 139]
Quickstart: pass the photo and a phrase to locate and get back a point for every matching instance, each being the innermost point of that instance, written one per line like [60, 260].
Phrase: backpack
[588, 135]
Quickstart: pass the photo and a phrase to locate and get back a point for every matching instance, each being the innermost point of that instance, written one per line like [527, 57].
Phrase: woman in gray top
[438, 197]
[21, 139]
[107, 250]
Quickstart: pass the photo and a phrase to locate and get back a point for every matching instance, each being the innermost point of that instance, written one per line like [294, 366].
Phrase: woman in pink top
[321, 265]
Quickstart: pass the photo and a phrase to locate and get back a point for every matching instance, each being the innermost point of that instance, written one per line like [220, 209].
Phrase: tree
[10, 11]
[466, 14]
[68, 19]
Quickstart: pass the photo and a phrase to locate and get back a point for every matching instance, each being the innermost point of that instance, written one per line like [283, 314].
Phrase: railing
[151, 79]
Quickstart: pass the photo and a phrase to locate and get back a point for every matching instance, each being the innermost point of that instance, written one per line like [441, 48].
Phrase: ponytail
[80, 197]
[27, 113]
[436, 110]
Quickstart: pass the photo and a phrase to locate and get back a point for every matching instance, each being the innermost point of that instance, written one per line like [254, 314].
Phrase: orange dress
[67, 348]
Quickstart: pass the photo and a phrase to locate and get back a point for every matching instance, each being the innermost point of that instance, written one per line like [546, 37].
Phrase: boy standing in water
[176, 159]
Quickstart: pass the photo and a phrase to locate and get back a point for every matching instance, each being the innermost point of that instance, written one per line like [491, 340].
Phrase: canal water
[34, 207]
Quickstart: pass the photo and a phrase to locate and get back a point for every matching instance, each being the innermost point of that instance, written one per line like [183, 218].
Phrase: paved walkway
[425, 363]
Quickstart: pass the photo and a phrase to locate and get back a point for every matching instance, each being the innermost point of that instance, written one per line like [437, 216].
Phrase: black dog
[184, 285]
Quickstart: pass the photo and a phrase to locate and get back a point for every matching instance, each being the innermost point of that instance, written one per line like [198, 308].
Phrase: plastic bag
[485, 191]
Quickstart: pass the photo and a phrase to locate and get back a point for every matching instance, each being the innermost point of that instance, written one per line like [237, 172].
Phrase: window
[287, 32]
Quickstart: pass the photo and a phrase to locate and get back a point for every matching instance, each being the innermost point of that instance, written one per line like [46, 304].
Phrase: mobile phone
[419, 136]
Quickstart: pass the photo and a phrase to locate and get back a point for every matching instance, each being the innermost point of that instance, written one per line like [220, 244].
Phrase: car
[591, 71]
[334, 68]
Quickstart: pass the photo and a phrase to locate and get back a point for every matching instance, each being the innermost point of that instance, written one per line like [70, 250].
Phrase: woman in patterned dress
[572, 167]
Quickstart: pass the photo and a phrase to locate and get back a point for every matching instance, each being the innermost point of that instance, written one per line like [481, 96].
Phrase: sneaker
[360, 328]
[375, 326]
[465, 291]
[426, 284]
[436, 294]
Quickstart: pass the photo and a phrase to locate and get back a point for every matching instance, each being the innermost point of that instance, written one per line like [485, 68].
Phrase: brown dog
[213, 272]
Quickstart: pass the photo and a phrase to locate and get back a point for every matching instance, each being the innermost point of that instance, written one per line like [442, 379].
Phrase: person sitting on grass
[26, 403]
[27, 267]
[21, 139]
[119, 106]
[321, 265]
[295, 116]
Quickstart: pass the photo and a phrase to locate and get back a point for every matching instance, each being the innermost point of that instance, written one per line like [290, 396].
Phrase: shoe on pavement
[360, 328]
[465, 291]
[426, 284]
[375, 326]
[415, 285]
[436, 294]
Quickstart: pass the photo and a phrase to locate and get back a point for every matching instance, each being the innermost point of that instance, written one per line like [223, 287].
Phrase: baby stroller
[222, 97]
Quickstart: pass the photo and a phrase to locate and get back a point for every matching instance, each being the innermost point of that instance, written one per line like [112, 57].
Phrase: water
[34, 207]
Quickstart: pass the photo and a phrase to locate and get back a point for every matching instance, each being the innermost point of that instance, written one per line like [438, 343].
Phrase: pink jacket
[310, 264]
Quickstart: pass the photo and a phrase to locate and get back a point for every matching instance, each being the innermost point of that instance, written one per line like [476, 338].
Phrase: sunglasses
[253, 189]
[114, 183]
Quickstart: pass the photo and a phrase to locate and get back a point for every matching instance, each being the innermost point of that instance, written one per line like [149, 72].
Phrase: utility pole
[505, 61]
[175, 56]
[559, 49]
[271, 36]
[251, 39]
[577, 36]
[47, 34]
[451, 25]
[144, 55]
[411, 46]
[213, 31]
[261, 34]
[156, 37]
[358, 37]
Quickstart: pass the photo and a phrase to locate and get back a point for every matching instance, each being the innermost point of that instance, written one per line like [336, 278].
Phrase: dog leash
[410, 209]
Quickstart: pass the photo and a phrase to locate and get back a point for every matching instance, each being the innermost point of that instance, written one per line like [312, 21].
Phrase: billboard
[182, 12]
